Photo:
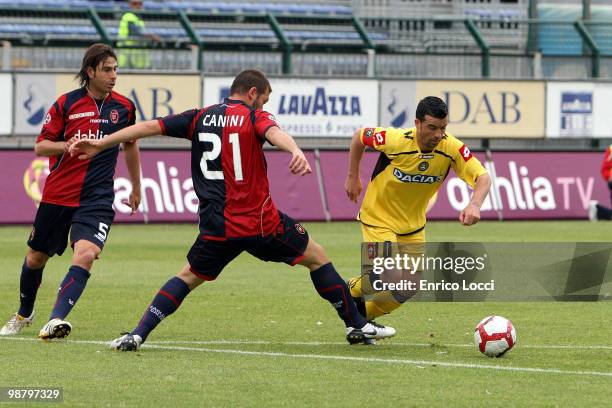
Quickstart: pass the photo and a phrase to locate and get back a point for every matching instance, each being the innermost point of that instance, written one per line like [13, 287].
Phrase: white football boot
[55, 329]
[15, 324]
[127, 342]
[593, 210]
[369, 333]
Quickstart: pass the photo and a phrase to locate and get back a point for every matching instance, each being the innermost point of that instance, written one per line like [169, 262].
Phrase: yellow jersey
[405, 179]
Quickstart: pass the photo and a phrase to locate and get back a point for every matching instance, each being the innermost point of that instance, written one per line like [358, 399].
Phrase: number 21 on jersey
[216, 151]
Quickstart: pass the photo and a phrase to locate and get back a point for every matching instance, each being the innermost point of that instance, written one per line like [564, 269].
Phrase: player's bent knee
[36, 259]
[85, 253]
[190, 278]
[314, 256]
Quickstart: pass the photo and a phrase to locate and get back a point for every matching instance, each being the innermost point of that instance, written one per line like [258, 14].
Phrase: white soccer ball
[494, 336]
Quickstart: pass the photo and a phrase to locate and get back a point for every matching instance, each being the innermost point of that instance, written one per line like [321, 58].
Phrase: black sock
[332, 288]
[28, 287]
[70, 291]
[603, 213]
[361, 306]
[167, 300]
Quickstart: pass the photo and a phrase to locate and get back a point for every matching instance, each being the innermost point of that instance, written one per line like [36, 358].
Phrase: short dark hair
[94, 55]
[250, 78]
[432, 106]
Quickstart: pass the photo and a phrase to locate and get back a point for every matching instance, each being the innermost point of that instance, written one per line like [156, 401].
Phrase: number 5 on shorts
[102, 232]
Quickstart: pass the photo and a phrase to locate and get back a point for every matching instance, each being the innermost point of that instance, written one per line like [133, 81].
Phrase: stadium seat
[192, 6]
[255, 8]
[103, 5]
[155, 6]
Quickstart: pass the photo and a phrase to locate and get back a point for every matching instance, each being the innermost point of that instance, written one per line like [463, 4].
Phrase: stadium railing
[182, 26]
[310, 39]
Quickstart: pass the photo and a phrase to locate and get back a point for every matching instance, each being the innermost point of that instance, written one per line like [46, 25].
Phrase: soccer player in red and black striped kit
[236, 211]
[78, 194]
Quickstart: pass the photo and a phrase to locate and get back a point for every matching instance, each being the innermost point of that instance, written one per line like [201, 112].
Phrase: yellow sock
[381, 304]
[354, 285]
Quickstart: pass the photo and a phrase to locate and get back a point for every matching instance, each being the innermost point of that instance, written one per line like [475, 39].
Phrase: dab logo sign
[34, 178]
[491, 108]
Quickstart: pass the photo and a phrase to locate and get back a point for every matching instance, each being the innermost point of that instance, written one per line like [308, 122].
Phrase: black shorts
[207, 257]
[53, 222]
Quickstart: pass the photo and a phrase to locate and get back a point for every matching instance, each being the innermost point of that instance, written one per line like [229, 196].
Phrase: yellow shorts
[381, 234]
[412, 245]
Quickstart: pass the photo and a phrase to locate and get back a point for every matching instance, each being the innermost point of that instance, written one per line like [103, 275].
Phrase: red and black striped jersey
[73, 182]
[228, 168]
[606, 165]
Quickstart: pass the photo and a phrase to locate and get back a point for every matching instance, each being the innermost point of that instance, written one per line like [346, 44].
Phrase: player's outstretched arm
[88, 148]
[284, 141]
[132, 162]
[471, 214]
[49, 148]
[352, 185]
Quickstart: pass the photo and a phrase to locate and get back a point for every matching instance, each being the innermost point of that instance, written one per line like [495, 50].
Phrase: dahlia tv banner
[313, 108]
[528, 185]
[167, 187]
[476, 272]
[531, 185]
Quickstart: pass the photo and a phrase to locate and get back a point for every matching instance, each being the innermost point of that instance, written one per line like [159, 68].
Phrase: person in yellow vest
[131, 35]
[413, 164]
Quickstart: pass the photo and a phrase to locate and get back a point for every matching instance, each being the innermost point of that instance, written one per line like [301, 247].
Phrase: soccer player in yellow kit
[412, 166]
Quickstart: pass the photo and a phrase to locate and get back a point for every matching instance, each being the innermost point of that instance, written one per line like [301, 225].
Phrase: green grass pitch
[259, 336]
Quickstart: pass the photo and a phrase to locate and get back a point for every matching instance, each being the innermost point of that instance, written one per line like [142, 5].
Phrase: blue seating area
[188, 6]
[209, 20]
[177, 32]
[44, 29]
[556, 39]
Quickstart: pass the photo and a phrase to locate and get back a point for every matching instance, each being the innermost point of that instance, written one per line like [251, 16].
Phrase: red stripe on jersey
[65, 181]
[162, 126]
[53, 126]
[606, 165]
[249, 209]
[73, 182]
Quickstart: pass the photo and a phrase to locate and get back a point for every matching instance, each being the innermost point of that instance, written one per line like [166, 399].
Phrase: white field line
[393, 361]
[387, 344]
